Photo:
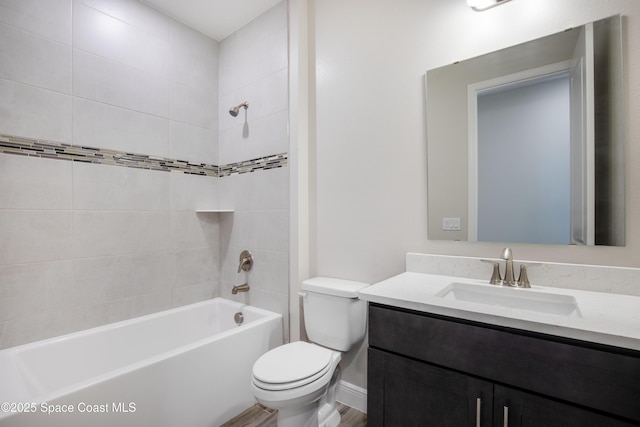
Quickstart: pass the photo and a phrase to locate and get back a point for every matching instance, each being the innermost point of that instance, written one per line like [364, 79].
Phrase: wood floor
[260, 416]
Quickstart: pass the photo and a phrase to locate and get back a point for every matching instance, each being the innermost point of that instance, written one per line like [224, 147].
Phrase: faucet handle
[246, 261]
[496, 279]
[523, 279]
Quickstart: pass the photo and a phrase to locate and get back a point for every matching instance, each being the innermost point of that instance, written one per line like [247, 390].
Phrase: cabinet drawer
[598, 377]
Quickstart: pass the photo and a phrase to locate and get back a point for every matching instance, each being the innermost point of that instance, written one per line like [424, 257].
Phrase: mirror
[526, 144]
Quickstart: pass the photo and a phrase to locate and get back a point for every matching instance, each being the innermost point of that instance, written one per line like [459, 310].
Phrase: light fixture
[480, 5]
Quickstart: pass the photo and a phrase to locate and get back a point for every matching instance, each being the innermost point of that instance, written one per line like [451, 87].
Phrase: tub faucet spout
[240, 288]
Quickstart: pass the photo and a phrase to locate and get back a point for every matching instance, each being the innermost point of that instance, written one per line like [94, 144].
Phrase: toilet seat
[292, 365]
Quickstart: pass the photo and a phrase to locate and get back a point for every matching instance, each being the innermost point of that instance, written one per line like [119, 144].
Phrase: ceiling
[215, 18]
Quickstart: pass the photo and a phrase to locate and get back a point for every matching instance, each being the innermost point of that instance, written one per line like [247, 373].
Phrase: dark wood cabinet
[428, 370]
[528, 410]
[418, 394]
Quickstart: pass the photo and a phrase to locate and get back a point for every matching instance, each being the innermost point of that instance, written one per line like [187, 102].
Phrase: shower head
[234, 111]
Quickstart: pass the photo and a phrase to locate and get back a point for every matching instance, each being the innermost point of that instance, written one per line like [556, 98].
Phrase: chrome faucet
[509, 279]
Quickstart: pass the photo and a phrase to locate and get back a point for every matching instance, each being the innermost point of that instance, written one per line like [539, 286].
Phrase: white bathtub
[189, 366]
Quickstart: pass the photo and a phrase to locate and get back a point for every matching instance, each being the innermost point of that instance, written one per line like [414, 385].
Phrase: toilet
[300, 379]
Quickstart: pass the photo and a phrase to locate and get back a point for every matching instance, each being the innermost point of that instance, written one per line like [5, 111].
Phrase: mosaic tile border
[10, 144]
[262, 163]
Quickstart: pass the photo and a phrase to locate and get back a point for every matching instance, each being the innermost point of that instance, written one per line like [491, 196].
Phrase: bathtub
[189, 366]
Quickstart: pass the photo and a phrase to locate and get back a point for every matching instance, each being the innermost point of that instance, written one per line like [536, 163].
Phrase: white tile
[48, 18]
[102, 80]
[190, 294]
[151, 303]
[193, 192]
[35, 113]
[227, 61]
[193, 143]
[105, 126]
[254, 139]
[106, 233]
[258, 230]
[261, 190]
[185, 37]
[109, 37]
[34, 236]
[193, 59]
[266, 96]
[31, 59]
[90, 316]
[196, 266]
[272, 271]
[34, 328]
[247, 60]
[229, 263]
[190, 230]
[192, 106]
[103, 279]
[104, 187]
[258, 49]
[273, 20]
[35, 288]
[34, 183]
[135, 13]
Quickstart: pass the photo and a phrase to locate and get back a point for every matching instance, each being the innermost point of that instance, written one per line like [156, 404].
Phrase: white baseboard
[352, 395]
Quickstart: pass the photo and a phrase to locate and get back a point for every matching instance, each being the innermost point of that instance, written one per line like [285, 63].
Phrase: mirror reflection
[526, 144]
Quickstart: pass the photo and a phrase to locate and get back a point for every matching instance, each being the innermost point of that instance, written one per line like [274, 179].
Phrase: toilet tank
[334, 317]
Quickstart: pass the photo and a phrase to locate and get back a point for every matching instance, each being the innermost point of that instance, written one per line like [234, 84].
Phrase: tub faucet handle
[246, 261]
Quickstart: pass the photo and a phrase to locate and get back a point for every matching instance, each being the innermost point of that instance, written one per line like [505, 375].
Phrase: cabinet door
[404, 392]
[528, 410]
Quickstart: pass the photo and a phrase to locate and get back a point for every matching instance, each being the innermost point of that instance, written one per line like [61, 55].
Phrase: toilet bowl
[296, 376]
[300, 379]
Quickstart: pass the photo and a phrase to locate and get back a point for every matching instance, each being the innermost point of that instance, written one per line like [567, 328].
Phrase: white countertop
[605, 318]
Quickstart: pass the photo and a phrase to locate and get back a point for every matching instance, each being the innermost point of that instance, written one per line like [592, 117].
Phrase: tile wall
[87, 244]
[254, 68]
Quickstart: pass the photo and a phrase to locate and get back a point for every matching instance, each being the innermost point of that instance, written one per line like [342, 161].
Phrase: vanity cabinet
[429, 370]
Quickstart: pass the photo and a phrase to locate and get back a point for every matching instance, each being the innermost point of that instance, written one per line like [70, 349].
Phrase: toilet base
[330, 420]
[320, 412]
[300, 416]
[328, 415]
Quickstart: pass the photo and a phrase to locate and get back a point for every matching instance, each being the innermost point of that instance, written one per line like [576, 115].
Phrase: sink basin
[512, 298]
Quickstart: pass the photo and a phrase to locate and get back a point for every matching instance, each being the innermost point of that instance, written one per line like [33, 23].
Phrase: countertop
[604, 318]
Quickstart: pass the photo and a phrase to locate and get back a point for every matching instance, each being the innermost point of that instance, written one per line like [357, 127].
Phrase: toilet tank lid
[332, 286]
